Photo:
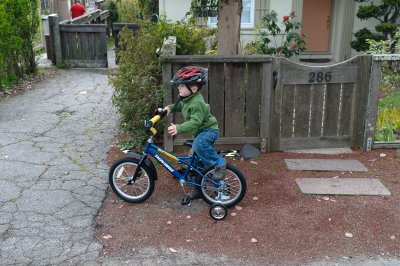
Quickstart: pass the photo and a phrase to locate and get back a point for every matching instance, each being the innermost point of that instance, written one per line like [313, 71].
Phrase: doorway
[316, 19]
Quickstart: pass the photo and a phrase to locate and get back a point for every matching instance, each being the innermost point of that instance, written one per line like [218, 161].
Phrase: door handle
[328, 22]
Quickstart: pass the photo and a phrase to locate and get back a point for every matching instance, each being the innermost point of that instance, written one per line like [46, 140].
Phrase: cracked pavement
[53, 175]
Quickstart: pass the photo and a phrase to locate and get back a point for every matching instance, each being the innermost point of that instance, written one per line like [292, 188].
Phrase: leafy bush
[138, 80]
[19, 22]
[386, 13]
[388, 120]
[148, 8]
[388, 124]
[291, 43]
[128, 11]
[132, 11]
[112, 7]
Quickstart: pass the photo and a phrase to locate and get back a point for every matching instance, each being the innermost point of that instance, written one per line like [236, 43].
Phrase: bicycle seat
[188, 143]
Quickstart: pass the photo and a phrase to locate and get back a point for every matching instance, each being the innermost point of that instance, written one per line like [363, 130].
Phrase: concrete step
[342, 186]
[325, 165]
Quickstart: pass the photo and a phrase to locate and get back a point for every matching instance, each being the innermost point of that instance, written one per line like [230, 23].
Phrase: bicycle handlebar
[160, 113]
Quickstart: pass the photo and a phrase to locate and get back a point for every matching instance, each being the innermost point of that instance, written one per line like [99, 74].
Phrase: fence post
[166, 78]
[265, 115]
[372, 107]
[55, 39]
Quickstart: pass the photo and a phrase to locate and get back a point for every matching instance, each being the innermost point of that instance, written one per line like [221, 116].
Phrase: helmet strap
[177, 102]
[188, 87]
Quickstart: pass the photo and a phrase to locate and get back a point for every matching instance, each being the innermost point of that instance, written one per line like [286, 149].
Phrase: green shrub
[19, 23]
[268, 32]
[148, 8]
[388, 118]
[112, 7]
[386, 12]
[138, 80]
[128, 11]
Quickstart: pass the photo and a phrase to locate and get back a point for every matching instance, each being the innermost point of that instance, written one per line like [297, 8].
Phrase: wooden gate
[84, 45]
[75, 43]
[319, 107]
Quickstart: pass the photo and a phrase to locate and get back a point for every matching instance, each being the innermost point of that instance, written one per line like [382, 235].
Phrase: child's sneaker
[220, 170]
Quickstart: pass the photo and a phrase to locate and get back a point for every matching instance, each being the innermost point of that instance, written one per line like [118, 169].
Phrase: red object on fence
[77, 10]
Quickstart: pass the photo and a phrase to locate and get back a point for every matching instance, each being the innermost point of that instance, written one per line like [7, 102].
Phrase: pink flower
[285, 18]
[278, 49]
[293, 46]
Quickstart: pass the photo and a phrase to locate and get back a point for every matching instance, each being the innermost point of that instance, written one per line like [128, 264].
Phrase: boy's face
[184, 92]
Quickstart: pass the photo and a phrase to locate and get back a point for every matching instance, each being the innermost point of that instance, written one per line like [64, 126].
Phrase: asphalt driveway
[53, 141]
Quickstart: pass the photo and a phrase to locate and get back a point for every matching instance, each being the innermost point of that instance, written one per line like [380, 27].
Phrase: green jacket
[196, 114]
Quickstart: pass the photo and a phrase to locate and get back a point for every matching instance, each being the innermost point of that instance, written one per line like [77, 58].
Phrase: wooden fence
[76, 43]
[281, 105]
[84, 45]
[237, 88]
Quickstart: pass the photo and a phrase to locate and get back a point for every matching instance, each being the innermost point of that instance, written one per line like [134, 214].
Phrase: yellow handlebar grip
[155, 119]
[153, 130]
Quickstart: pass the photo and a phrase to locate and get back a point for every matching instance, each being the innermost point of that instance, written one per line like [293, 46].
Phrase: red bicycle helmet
[191, 75]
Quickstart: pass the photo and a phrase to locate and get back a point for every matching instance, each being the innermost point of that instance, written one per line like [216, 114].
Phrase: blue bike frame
[155, 151]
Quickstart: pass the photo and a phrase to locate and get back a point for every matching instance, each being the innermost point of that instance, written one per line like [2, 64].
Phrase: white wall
[174, 10]
[282, 7]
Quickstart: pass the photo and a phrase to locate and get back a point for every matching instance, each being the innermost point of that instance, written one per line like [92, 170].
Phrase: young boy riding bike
[197, 119]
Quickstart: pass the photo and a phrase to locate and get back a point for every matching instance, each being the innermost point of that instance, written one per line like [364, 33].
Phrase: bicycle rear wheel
[120, 179]
[233, 188]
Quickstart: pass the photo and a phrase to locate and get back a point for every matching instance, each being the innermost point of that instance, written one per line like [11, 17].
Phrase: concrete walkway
[53, 176]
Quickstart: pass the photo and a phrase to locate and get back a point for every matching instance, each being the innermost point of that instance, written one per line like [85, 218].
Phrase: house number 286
[319, 77]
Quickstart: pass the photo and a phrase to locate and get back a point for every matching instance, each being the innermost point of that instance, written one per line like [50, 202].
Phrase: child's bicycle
[133, 178]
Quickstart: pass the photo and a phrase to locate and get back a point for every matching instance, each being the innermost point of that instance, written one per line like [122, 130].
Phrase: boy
[197, 119]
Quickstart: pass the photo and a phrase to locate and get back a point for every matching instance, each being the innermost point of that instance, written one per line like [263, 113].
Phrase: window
[247, 19]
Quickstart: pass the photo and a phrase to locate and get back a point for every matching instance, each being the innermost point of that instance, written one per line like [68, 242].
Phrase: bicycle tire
[234, 187]
[121, 171]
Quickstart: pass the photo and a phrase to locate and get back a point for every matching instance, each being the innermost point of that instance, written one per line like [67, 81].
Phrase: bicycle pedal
[185, 200]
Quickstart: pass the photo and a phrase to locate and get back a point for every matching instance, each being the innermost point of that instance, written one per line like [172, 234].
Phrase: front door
[316, 24]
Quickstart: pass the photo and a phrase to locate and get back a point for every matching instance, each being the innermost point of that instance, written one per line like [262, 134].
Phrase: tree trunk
[229, 14]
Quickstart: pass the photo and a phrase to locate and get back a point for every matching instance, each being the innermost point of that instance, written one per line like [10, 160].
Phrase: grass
[388, 117]
[110, 42]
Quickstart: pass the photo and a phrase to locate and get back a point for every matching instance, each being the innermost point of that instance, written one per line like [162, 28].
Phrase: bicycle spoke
[134, 189]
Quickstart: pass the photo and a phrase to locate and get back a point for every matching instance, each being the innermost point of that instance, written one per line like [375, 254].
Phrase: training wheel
[218, 212]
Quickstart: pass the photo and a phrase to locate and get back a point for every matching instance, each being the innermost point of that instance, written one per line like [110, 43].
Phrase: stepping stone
[325, 165]
[323, 151]
[342, 186]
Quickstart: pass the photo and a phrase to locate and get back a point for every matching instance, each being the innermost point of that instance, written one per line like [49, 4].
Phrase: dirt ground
[274, 224]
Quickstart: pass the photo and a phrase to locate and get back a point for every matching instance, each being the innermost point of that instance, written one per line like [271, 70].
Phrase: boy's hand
[166, 108]
[172, 130]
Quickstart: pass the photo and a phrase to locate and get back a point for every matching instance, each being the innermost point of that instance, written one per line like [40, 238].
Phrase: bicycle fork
[138, 170]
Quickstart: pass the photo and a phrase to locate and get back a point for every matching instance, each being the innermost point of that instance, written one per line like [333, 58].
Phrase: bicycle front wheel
[122, 183]
[233, 188]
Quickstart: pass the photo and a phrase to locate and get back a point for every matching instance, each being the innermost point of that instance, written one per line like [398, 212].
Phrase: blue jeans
[202, 146]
